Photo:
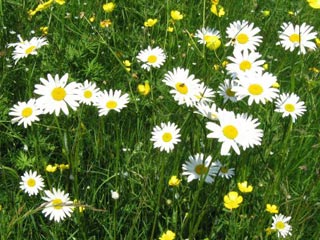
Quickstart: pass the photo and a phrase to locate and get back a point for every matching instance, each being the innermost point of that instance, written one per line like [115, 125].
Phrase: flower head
[232, 200]
[144, 89]
[314, 3]
[272, 208]
[25, 112]
[57, 95]
[168, 235]
[150, 22]
[112, 100]
[176, 15]
[225, 90]
[174, 181]
[204, 34]
[88, 93]
[165, 136]
[58, 205]
[31, 183]
[290, 105]
[224, 170]
[109, 7]
[281, 226]
[217, 10]
[151, 57]
[244, 187]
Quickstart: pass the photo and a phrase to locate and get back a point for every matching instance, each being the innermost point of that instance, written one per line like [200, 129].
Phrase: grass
[114, 152]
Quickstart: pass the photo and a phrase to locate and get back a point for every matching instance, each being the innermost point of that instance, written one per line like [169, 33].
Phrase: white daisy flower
[25, 112]
[152, 57]
[234, 131]
[281, 226]
[165, 136]
[198, 167]
[58, 205]
[57, 95]
[290, 105]
[204, 34]
[244, 61]
[24, 48]
[88, 93]
[185, 87]
[208, 111]
[297, 36]
[112, 100]
[204, 93]
[225, 90]
[257, 86]
[243, 35]
[224, 170]
[31, 183]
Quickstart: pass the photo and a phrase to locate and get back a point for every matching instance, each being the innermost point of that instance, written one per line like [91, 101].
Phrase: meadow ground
[178, 151]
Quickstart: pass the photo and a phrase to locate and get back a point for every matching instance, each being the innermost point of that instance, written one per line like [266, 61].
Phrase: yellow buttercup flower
[92, 19]
[317, 42]
[213, 42]
[217, 10]
[314, 3]
[170, 29]
[272, 208]
[150, 22]
[244, 187]
[64, 167]
[144, 89]
[51, 168]
[174, 181]
[232, 200]
[105, 23]
[169, 235]
[266, 13]
[109, 7]
[44, 30]
[176, 15]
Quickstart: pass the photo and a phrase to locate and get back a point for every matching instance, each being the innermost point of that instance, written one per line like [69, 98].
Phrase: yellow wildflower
[64, 166]
[144, 89]
[232, 200]
[318, 42]
[150, 22]
[105, 23]
[170, 29]
[176, 15]
[217, 10]
[109, 7]
[92, 19]
[266, 13]
[169, 235]
[272, 208]
[174, 181]
[314, 3]
[244, 187]
[51, 168]
[213, 42]
[44, 30]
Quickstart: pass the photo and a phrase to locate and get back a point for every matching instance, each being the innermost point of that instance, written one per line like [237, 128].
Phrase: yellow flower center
[30, 49]
[245, 65]
[255, 89]
[242, 38]
[26, 112]
[58, 93]
[201, 169]
[224, 169]
[31, 182]
[111, 104]
[152, 59]
[289, 107]
[295, 38]
[230, 93]
[230, 131]
[57, 203]
[167, 137]
[280, 225]
[181, 88]
[87, 94]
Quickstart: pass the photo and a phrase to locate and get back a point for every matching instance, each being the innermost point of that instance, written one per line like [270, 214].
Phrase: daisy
[25, 112]
[257, 86]
[88, 92]
[198, 167]
[31, 183]
[234, 131]
[57, 95]
[204, 93]
[58, 205]
[185, 87]
[112, 100]
[151, 57]
[208, 111]
[297, 36]
[24, 48]
[225, 90]
[243, 35]
[290, 105]
[244, 61]
[280, 224]
[224, 170]
[204, 35]
[165, 136]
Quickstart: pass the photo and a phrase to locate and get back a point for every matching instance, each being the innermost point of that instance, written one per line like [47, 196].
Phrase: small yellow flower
[170, 29]
[265, 66]
[92, 19]
[174, 181]
[150, 22]
[51, 168]
[44, 30]
[216, 67]
[64, 166]
[176, 15]
[105, 23]
[317, 42]
[266, 13]
[169, 235]
[225, 63]
[314, 69]
[144, 89]
[213, 42]
[217, 10]
[109, 7]
[244, 187]
[61, 2]
[275, 85]
[232, 200]
[291, 13]
[272, 208]
[314, 3]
